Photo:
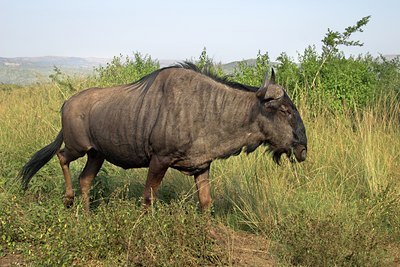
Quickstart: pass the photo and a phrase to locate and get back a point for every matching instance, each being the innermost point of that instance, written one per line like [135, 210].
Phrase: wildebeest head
[284, 129]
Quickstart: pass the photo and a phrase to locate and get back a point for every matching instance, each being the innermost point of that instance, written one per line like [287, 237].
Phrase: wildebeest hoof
[68, 201]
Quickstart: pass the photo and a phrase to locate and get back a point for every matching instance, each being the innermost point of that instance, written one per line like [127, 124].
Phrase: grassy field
[340, 207]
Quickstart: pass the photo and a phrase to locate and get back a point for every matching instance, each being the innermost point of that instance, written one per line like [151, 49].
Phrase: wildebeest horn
[267, 92]
[267, 81]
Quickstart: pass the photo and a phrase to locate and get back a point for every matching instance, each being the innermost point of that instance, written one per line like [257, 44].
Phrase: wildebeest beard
[276, 155]
[277, 152]
[269, 148]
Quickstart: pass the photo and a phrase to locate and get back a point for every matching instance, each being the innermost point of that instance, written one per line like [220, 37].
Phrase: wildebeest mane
[207, 71]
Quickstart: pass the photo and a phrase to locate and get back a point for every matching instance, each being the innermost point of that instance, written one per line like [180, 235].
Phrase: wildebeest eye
[285, 110]
[272, 104]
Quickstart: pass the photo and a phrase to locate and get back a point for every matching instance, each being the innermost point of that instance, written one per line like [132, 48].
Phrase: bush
[252, 74]
[120, 71]
[207, 64]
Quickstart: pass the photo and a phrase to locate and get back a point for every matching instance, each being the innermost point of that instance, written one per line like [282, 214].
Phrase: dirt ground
[244, 249]
[11, 260]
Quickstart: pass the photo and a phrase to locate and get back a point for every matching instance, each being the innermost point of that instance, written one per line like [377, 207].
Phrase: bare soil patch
[11, 260]
[244, 249]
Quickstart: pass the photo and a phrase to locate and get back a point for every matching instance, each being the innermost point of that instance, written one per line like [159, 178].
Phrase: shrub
[124, 71]
[252, 74]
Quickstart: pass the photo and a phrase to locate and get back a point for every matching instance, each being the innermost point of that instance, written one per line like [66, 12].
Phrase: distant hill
[228, 68]
[51, 61]
[26, 70]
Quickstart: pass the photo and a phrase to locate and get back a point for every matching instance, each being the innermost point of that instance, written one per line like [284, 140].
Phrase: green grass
[340, 207]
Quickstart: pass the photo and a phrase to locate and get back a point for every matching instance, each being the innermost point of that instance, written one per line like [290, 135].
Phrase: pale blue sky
[173, 29]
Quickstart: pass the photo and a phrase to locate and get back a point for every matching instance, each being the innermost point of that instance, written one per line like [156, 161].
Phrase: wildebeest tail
[39, 159]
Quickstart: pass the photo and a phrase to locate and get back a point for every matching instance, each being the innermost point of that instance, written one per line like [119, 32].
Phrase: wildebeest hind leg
[65, 156]
[92, 167]
[157, 169]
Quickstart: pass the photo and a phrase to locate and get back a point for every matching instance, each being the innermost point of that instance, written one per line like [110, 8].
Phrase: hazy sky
[173, 29]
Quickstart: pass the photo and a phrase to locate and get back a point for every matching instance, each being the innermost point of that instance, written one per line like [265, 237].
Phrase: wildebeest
[178, 117]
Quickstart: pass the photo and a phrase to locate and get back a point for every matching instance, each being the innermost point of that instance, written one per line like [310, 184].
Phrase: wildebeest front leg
[203, 189]
[157, 169]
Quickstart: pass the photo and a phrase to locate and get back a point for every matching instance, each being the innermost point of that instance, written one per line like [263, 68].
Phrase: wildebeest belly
[120, 153]
[118, 130]
[124, 161]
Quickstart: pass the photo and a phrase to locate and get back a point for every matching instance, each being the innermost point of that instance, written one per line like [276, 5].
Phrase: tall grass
[340, 207]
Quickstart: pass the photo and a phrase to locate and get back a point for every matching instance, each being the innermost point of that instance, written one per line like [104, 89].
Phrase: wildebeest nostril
[303, 155]
[300, 152]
